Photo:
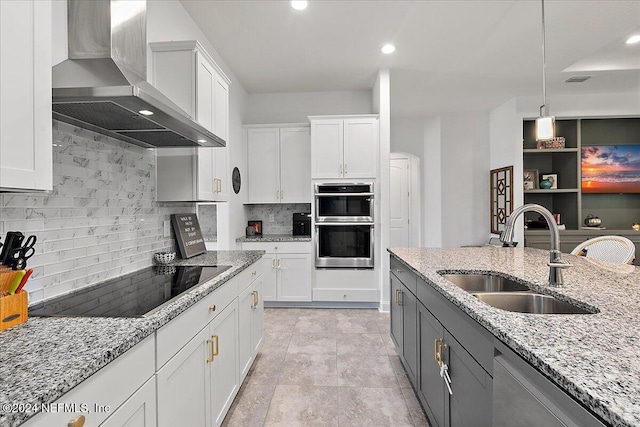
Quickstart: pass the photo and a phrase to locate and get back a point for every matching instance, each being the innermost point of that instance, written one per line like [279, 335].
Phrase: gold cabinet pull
[440, 349]
[399, 297]
[345, 168]
[210, 359]
[255, 299]
[76, 422]
[436, 350]
[217, 350]
[212, 308]
[253, 273]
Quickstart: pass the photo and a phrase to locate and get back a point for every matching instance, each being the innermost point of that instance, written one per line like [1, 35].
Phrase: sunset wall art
[611, 169]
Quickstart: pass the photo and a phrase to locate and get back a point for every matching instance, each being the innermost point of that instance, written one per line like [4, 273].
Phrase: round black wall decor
[235, 180]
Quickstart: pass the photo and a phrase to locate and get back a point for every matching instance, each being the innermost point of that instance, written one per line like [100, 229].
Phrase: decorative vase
[592, 221]
[545, 184]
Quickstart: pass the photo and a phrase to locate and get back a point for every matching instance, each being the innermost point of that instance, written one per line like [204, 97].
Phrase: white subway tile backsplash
[101, 219]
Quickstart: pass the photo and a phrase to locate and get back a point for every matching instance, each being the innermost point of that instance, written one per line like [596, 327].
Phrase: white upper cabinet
[26, 158]
[278, 161]
[344, 147]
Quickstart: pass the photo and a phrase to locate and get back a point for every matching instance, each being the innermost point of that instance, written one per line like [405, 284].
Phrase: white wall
[407, 135]
[265, 108]
[432, 185]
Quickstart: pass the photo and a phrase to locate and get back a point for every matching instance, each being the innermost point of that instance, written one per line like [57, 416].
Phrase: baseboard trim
[321, 304]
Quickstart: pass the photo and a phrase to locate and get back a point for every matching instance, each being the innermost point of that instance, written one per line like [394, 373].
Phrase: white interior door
[399, 206]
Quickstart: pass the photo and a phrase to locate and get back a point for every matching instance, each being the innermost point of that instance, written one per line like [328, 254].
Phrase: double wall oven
[344, 225]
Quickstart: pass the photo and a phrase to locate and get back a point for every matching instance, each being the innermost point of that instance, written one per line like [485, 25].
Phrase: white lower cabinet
[250, 324]
[138, 411]
[287, 274]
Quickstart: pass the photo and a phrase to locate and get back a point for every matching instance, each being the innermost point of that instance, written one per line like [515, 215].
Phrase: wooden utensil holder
[13, 309]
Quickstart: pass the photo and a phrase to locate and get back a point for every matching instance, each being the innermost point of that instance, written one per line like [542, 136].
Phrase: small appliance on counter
[302, 224]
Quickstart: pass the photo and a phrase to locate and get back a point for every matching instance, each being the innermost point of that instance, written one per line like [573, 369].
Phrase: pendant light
[545, 124]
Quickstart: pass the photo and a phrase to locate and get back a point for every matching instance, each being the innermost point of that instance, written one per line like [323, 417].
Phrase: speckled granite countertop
[593, 357]
[275, 238]
[44, 358]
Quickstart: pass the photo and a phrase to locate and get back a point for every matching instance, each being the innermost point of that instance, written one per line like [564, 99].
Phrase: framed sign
[188, 234]
[502, 197]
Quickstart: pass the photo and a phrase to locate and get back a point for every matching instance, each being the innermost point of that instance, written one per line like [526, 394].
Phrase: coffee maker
[302, 224]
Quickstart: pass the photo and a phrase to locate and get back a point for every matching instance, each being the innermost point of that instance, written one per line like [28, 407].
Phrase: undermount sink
[484, 282]
[528, 302]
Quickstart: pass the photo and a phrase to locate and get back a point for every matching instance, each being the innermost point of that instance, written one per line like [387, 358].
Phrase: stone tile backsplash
[208, 219]
[101, 219]
[283, 216]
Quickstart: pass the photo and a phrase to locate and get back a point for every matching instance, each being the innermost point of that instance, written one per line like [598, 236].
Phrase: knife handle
[24, 280]
[16, 281]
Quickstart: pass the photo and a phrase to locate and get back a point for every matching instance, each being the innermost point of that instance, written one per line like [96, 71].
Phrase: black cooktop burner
[133, 295]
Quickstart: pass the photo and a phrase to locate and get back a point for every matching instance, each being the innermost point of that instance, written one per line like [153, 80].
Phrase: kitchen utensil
[6, 279]
[24, 280]
[165, 257]
[12, 240]
[18, 259]
[16, 281]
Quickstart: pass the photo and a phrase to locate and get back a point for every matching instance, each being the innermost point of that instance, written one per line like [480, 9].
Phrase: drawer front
[250, 274]
[105, 388]
[175, 334]
[403, 273]
[278, 247]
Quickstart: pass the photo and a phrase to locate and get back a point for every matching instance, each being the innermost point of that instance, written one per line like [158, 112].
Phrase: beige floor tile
[266, 369]
[369, 313]
[366, 371]
[310, 369]
[372, 407]
[275, 341]
[384, 326]
[365, 344]
[313, 343]
[389, 345]
[250, 406]
[316, 324]
[401, 374]
[356, 325]
[303, 406]
[417, 414]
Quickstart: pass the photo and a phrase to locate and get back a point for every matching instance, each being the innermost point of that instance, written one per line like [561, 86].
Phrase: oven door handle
[343, 194]
[344, 224]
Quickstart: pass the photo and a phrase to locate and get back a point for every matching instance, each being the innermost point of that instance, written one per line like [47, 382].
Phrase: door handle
[210, 359]
[255, 299]
[399, 297]
[217, 350]
[273, 263]
[277, 194]
[345, 168]
[340, 169]
[436, 350]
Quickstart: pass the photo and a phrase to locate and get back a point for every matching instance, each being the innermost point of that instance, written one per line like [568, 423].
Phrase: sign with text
[188, 234]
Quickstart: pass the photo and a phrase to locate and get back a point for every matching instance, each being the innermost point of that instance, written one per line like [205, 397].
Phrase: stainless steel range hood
[103, 85]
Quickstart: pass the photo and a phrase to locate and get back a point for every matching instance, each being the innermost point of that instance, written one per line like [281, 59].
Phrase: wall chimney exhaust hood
[103, 85]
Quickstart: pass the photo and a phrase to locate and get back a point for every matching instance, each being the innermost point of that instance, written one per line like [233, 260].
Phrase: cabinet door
[184, 386]
[205, 184]
[26, 159]
[257, 316]
[470, 405]
[326, 148]
[360, 148]
[221, 107]
[410, 333]
[245, 346]
[431, 387]
[396, 313]
[205, 86]
[263, 165]
[269, 277]
[138, 411]
[220, 177]
[295, 165]
[223, 331]
[294, 277]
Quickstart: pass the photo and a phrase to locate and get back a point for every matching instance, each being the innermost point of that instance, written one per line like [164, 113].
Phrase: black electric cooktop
[134, 295]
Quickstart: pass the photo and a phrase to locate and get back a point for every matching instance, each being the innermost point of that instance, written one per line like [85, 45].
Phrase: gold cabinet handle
[219, 185]
[255, 299]
[217, 350]
[340, 169]
[399, 297]
[345, 168]
[436, 350]
[440, 349]
[253, 273]
[210, 359]
[76, 422]
[212, 308]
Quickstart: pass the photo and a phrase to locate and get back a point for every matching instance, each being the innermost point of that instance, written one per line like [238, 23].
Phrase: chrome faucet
[556, 263]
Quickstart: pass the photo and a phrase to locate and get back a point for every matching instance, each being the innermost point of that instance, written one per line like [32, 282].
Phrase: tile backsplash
[208, 219]
[283, 216]
[101, 219]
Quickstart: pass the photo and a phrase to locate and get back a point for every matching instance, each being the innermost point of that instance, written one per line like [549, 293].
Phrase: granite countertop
[274, 238]
[45, 357]
[593, 357]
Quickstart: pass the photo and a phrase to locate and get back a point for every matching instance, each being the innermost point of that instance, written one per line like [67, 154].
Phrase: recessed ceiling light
[633, 39]
[388, 48]
[146, 112]
[299, 4]
[202, 140]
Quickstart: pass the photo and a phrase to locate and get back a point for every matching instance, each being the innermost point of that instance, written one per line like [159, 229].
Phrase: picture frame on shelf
[553, 177]
[257, 225]
[530, 179]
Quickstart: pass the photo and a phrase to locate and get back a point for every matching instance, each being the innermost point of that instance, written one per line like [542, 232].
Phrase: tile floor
[326, 367]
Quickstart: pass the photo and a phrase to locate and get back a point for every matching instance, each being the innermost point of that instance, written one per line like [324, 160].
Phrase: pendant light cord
[543, 109]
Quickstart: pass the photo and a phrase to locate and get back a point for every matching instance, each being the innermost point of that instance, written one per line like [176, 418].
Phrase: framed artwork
[257, 225]
[611, 168]
[553, 177]
[501, 197]
[530, 179]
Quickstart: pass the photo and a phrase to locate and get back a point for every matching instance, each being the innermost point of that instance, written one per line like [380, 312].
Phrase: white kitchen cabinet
[138, 411]
[250, 324]
[278, 160]
[26, 159]
[344, 147]
[191, 175]
[288, 274]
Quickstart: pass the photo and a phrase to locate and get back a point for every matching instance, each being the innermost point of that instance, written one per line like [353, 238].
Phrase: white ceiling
[451, 55]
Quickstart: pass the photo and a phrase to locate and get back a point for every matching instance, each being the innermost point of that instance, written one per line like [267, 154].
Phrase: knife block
[13, 309]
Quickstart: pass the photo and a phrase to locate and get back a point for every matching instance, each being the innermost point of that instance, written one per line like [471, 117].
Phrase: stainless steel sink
[484, 282]
[527, 302]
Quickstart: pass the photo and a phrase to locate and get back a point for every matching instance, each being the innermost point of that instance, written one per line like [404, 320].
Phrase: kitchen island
[594, 358]
[46, 357]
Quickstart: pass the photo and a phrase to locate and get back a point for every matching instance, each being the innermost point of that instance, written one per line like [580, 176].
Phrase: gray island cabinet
[494, 379]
